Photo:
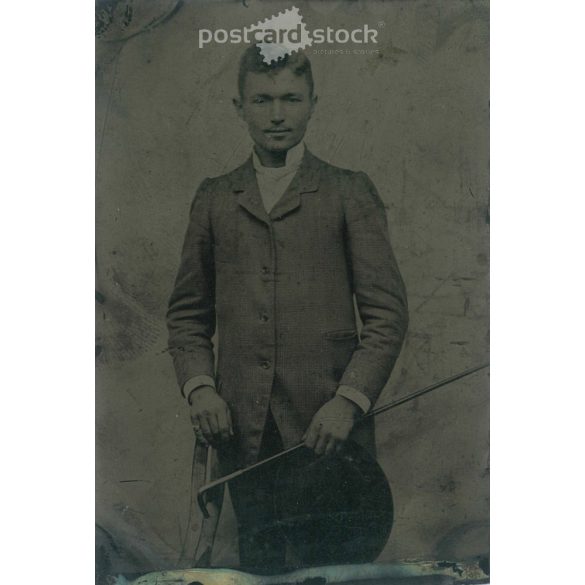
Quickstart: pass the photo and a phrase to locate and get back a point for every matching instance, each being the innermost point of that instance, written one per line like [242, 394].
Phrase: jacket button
[265, 270]
[263, 318]
[265, 365]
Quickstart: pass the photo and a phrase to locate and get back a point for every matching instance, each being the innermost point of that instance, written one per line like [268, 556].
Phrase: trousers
[262, 545]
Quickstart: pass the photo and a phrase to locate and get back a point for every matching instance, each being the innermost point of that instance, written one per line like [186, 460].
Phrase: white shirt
[274, 181]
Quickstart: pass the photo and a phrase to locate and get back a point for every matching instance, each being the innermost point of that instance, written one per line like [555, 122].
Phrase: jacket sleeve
[191, 311]
[378, 287]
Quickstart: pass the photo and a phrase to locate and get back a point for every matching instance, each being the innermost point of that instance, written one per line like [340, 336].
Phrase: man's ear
[314, 101]
[238, 106]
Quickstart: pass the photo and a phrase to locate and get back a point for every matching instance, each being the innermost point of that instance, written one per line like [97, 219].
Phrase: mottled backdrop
[415, 118]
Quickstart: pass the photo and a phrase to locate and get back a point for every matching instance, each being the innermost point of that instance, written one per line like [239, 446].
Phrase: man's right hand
[210, 415]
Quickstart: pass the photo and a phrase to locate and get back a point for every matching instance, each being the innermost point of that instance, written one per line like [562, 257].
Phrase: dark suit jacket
[281, 288]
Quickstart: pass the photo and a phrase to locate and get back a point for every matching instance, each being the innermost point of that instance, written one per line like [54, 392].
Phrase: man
[275, 253]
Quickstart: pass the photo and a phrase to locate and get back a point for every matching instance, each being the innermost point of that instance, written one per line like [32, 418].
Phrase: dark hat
[334, 509]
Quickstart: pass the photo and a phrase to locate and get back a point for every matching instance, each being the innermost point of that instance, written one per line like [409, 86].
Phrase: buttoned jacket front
[280, 289]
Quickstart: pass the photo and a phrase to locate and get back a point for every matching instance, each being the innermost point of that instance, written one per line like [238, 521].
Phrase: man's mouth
[277, 131]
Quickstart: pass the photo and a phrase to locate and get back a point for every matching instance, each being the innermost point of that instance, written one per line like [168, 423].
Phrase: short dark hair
[252, 61]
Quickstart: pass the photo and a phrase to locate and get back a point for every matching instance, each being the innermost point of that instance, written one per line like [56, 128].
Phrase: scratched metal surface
[405, 573]
[416, 120]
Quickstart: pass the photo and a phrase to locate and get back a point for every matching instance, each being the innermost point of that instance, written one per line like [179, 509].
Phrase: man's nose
[276, 115]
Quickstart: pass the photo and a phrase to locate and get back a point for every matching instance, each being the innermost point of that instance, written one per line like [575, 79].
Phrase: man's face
[276, 108]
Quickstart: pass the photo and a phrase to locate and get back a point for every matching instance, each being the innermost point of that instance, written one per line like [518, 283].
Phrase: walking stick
[197, 553]
[226, 478]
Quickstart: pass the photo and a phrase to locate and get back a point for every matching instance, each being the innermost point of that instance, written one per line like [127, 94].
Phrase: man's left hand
[331, 425]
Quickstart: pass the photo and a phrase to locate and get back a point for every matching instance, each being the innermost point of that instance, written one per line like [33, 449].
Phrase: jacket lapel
[306, 180]
[245, 185]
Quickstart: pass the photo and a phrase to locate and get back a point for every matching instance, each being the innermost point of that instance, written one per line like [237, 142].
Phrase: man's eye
[258, 100]
[294, 99]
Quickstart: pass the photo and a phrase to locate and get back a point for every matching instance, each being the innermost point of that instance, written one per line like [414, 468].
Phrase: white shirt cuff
[355, 396]
[195, 382]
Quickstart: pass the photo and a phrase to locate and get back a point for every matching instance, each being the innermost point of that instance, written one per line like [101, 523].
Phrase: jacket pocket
[340, 334]
[337, 349]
